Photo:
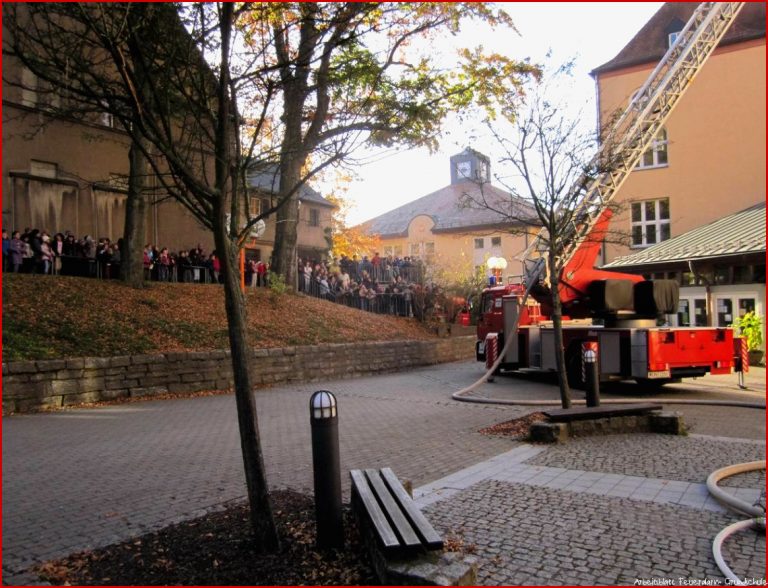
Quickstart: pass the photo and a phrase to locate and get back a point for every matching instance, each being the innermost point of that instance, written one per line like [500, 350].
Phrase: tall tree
[352, 73]
[168, 70]
[552, 161]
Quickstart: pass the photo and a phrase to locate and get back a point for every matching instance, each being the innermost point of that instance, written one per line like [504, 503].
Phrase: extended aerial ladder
[630, 136]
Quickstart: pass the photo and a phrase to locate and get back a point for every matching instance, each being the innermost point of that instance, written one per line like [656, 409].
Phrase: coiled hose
[754, 510]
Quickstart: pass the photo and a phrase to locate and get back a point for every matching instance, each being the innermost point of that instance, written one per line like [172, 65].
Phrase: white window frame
[658, 146]
[672, 37]
[644, 223]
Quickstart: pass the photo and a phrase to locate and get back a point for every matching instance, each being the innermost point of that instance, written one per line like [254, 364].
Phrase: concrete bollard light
[323, 416]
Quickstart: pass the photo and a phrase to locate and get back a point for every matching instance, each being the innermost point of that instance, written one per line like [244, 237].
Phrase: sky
[591, 33]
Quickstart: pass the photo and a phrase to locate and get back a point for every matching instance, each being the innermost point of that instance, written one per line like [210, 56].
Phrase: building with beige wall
[63, 171]
[707, 164]
[449, 235]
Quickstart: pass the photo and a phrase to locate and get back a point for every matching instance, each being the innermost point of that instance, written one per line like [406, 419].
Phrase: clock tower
[470, 166]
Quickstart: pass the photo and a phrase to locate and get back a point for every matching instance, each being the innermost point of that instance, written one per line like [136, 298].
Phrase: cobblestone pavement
[84, 478]
[690, 459]
[533, 535]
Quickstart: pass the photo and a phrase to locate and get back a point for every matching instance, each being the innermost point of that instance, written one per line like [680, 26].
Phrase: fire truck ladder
[634, 131]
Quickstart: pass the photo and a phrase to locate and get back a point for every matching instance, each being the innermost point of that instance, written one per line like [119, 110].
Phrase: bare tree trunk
[262, 520]
[132, 255]
[557, 327]
[284, 256]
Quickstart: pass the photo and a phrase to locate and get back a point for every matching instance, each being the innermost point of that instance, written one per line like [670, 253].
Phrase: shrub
[751, 327]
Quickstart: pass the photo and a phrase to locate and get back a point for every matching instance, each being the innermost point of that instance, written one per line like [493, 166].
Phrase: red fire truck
[619, 312]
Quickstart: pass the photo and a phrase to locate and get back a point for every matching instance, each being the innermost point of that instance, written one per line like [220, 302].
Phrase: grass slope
[46, 317]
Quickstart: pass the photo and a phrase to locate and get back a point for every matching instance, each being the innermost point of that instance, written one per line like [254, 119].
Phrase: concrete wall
[32, 385]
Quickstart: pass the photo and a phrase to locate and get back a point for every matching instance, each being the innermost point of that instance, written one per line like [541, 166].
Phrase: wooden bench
[399, 526]
[582, 413]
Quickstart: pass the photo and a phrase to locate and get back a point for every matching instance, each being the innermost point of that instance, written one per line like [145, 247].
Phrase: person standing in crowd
[17, 250]
[46, 253]
[261, 273]
[57, 247]
[6, 250]
[215, 267]
[163, 265]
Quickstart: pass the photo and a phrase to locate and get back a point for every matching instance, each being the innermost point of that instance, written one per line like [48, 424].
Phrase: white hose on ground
[729, 499]
[737, 504]
[718, 543]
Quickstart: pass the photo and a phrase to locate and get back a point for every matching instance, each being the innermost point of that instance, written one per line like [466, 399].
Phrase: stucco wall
[31, 385]
[716, 140]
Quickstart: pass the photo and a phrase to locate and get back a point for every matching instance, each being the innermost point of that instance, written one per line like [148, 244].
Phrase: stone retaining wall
[31, 385]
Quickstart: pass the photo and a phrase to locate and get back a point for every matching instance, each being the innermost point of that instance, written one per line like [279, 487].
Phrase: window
[656, 154]
[429, 250]
[264, 205]
[414, 249]
[38, 93]
[672, 37]
[119, 181]
[495, 241]
[746, 305]
[43, 169]
[684, 313]
[650, 222]
[28, 87]
[724, 312]
[479, 243]
[314, 217]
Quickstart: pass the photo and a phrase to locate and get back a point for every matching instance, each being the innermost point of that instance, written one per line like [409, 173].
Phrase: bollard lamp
[323, 416]
[322, 405]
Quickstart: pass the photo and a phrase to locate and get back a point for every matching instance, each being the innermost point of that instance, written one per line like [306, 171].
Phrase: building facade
[449, 232]
[707, 163]
[70, 173]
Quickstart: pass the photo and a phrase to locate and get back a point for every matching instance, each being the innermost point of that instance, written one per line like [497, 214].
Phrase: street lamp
[496, 265]
[324, 419]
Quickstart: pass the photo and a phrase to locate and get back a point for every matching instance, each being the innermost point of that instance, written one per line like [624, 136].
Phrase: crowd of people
[35, 251]
[386, 285]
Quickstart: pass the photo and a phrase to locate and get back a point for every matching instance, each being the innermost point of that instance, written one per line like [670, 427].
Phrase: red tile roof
[650, 43]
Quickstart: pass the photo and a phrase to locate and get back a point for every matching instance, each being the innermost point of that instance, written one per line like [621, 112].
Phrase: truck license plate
[481, 347]
[659, 374]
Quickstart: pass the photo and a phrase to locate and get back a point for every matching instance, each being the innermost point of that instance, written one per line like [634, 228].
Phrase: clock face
[463, 168]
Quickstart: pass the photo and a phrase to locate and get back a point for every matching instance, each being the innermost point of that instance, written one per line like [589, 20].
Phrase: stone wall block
[51, 365]
[82, 398]
[22, 367]
[146, 359]
[94, 384]
[148, 391]
[95, 362]
[115, 394]
[120, 361]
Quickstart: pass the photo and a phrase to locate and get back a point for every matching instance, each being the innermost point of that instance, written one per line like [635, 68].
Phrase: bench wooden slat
[393, 510]
[423, 527]
[591, 412]
[383, 529]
